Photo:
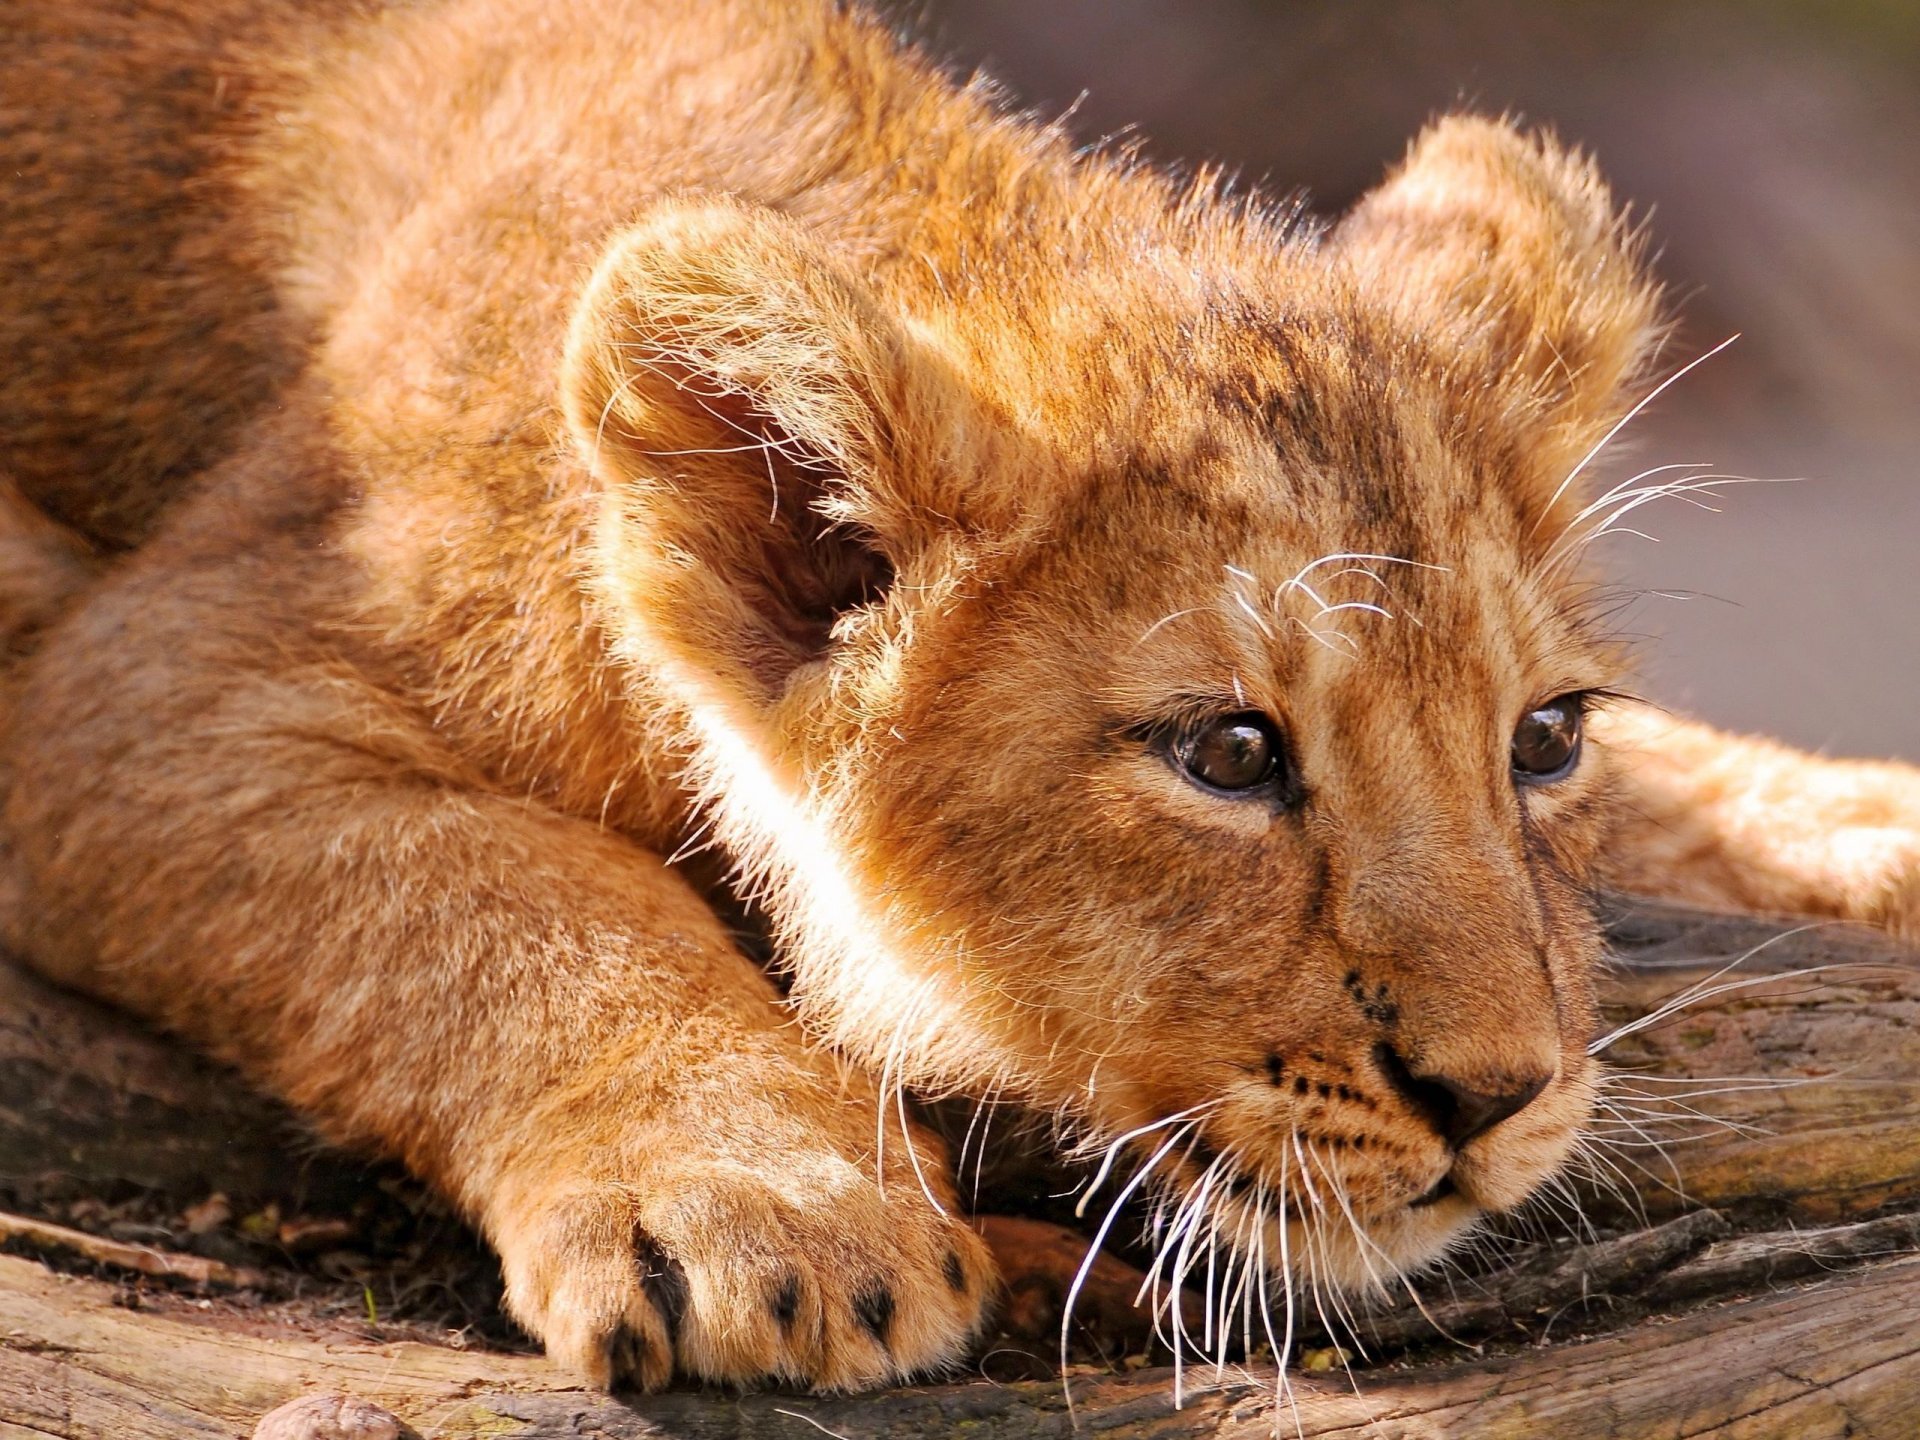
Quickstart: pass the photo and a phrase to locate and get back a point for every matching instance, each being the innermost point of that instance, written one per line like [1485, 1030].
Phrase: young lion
[1134, 646]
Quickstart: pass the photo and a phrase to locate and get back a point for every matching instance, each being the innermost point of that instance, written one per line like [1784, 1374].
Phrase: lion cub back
[136, 317]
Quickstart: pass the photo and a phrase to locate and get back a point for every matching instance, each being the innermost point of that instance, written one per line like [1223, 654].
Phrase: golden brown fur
[620, 426]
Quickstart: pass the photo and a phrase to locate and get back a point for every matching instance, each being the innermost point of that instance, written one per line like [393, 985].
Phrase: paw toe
[732, 1284]
[637, 1358]
[663, 1280]
[784, 1304]
[873, 1308]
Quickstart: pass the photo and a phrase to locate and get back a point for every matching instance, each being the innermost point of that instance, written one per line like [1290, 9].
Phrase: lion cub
[1135, 647]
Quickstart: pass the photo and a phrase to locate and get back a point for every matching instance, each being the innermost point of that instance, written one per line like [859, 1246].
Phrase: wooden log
[1836, 1358]
[1786, 1309]
[1807, 1074]
[87, 1094]
[55, 1241]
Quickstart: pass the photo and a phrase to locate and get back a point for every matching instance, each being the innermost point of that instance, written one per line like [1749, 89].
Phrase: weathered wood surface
[1840, 1358]
[1821, 1063]
[85, 1091]
[1791, 1308]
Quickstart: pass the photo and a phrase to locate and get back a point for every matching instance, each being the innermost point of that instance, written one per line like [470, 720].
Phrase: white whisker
[1139, 1177]
[1627, 419]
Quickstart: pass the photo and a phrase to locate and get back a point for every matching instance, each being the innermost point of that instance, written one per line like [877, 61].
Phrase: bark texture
[1758, 1275]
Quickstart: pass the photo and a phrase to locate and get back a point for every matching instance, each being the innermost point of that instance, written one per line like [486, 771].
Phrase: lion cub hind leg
[1740, 823]
[220, 826]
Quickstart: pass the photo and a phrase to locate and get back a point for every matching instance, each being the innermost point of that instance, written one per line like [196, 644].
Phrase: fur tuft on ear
[1509, 250]
[737, 394]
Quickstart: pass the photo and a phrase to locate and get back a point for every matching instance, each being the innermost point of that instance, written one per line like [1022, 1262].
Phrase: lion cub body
[529, 439]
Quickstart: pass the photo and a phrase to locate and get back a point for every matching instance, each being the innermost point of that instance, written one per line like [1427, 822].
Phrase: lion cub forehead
[1278, 491]
[1338, 437]
[1244, 621]
[1216, 502]
[1251, 597]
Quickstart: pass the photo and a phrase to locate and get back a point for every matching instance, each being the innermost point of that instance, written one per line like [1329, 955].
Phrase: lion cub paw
[807, 1276]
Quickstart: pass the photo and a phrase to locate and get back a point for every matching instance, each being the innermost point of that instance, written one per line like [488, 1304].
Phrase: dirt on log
[1746, 1261]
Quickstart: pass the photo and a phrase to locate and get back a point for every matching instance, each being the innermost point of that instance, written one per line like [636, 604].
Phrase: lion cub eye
[1546, 742]
[1231, 753]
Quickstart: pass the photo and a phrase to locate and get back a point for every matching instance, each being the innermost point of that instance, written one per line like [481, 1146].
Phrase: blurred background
[1775, 145]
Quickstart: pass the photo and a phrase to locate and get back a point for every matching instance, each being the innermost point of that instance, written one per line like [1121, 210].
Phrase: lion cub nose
[1458, 1111]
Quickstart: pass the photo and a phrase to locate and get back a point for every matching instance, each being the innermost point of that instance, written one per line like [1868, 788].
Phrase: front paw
[796, 1270]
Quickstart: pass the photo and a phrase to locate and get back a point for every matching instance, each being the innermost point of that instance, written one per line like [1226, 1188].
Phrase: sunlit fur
[586, 433]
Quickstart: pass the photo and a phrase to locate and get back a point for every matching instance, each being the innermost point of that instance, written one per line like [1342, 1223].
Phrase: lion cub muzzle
[1456, 1110]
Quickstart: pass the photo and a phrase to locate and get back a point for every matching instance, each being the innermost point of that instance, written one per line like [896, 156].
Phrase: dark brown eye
[1233, 753]
[1546, 742]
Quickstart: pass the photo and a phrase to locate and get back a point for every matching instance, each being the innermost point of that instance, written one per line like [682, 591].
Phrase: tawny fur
[547, 436]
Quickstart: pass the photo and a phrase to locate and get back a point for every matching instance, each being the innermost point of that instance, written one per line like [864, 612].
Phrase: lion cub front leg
[538, 1017]
[1734, 822]
[709, 1202]
[736, 1230]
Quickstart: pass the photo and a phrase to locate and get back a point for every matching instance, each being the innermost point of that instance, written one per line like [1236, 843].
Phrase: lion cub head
[1137, 649]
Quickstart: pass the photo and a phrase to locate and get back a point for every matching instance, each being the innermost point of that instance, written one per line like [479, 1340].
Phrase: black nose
[1458, 1112]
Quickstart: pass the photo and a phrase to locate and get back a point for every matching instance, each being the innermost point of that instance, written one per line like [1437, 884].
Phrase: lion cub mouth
[1442, 1189]
[1376, 1177]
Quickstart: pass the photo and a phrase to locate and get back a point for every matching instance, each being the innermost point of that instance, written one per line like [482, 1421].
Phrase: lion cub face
[1162, 704]
[1250, 815]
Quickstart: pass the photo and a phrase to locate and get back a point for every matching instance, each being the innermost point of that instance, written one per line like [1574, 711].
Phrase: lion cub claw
[812, 1276]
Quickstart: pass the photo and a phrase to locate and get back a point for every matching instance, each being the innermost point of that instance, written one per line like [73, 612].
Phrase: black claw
[786, 1302]
[874, 1306]
[663, 1280]
[956, 1273]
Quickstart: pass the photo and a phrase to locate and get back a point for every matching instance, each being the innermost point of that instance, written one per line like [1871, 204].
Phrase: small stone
[331, 1417]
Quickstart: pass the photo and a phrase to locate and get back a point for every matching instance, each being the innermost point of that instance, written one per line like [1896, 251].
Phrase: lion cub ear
[746, 406]
[1508, 252]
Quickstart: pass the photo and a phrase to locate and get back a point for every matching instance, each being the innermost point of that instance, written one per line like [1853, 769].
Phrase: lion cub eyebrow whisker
[1606, 439]
[1164, 620]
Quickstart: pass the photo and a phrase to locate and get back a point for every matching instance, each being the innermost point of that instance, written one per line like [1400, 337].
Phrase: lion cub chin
[1136, 648]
